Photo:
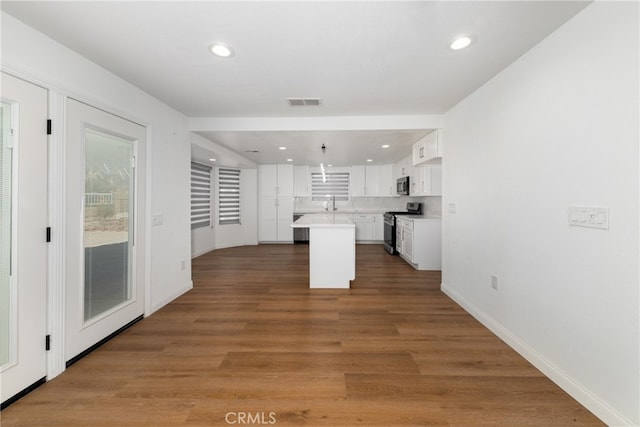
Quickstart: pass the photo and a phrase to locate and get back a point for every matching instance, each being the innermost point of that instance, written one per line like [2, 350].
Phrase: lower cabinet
[369, 227]
[364, 226]
[399, 234]
[407, 240]
[378, 227]
[419, 242]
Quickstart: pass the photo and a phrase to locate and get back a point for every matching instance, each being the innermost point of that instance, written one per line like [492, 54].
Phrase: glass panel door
[108, 213]
[105, 196]
[5, 234]
[23, 248]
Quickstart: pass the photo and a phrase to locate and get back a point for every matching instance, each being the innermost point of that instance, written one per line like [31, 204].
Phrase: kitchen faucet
[333, 200]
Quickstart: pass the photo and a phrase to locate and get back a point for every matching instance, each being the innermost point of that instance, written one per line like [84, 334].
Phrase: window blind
[229, 196]
[337, 184]
[200, 195]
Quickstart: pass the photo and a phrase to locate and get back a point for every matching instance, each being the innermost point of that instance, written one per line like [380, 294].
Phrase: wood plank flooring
[252, 343]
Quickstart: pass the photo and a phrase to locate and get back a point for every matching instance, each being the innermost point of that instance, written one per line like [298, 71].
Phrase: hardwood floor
[253, 344]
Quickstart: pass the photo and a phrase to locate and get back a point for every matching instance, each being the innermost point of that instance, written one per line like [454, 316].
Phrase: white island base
[332, 250]
[332, 257]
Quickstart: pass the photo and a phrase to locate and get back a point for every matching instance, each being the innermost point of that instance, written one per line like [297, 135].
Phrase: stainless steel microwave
[402, 186]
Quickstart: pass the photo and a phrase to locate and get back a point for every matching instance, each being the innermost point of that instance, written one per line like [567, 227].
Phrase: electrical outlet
[452, 208]
[586, 216]
[494, 282]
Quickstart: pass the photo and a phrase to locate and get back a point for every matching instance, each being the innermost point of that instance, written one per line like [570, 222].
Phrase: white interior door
[105, 211]
[23, 247]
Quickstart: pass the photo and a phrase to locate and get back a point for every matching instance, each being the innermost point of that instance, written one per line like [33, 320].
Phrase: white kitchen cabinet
[285, 180]
[372, 181]
[276, 203]
[275, 180]
[428, 149]
[364, 226]
[285, 218]
[433, 147]
[407, 240]
[381, 182]
[399, 234]
[301, 181]
[421, 242]
[357, 181]
[378, 227]
[268, 180]
[426, 180]
[402, 168]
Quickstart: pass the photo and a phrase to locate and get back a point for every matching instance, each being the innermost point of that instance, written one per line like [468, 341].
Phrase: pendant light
[324, 175]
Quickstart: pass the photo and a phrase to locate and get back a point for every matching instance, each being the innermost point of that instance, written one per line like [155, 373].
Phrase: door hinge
[49, 127]
[47, 343]
[48, 234]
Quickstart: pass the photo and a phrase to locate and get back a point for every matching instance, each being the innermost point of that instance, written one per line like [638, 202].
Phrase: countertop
[325, 220]
[340, 211]
[421, 217]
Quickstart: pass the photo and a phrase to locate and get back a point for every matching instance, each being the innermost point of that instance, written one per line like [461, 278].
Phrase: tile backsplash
[431, 206]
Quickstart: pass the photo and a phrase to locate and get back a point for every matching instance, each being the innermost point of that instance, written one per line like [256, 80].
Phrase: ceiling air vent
[304, 102]
[251, 151]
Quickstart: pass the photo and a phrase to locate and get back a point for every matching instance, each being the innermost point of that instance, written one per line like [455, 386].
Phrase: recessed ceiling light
[329, 165]
[289, 160]
[282, 148]
[385, 146]
[212, 160]
[369, 160]
[221, 50]
[460, 42]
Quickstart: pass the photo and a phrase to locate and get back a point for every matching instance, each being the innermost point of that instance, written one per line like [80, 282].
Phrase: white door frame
[56, 275]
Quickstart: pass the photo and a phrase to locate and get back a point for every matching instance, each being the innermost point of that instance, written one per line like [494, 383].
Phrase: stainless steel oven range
[413, 208]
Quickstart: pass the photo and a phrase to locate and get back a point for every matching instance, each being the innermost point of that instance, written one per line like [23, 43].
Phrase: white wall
[36, 57]
[558, 127]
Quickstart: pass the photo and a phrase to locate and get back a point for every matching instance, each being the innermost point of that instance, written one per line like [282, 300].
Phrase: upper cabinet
[426, 180]
[302, 181]
[357, 181]
[428, 149]
[379, 180]
[372, 181]
[402, 168]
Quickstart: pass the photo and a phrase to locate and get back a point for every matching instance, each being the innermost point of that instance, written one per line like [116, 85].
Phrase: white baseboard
[594, 404]
[201, 252]
[186, 288]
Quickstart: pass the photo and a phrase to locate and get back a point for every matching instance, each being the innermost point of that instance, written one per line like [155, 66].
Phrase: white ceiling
[362, 58]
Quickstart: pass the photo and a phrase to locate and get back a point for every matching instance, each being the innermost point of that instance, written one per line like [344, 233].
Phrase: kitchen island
[332, 249]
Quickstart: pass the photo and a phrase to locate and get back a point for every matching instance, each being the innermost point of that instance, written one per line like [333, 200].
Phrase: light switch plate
[451, 208]
[589, 216]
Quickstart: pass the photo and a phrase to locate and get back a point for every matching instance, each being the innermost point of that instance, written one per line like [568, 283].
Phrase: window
[229, 196]
[336, 184]
[200, 195]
